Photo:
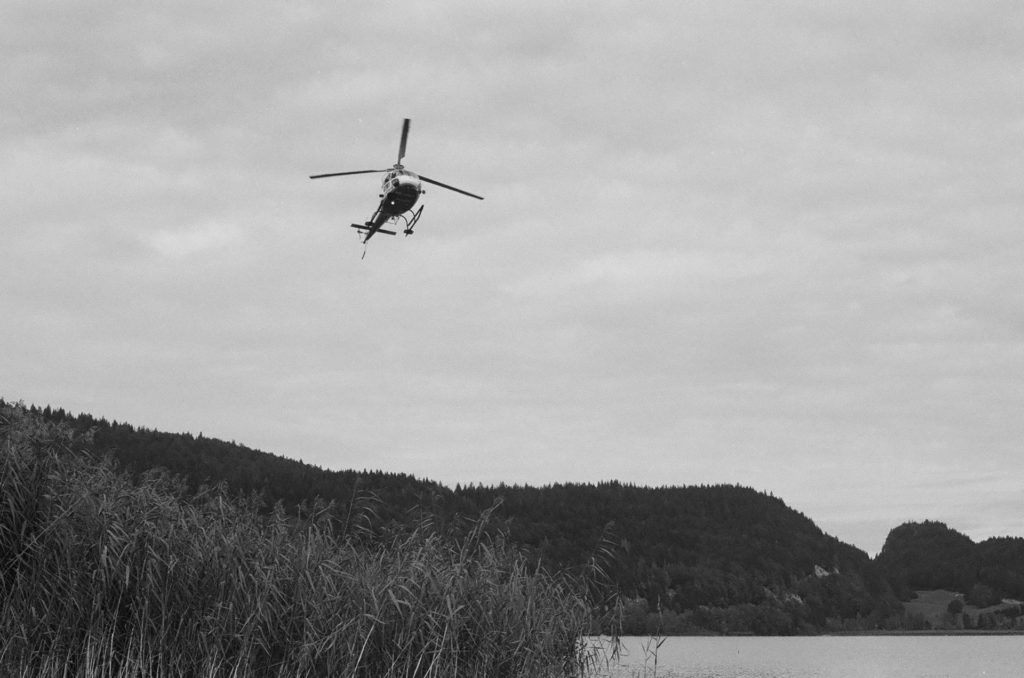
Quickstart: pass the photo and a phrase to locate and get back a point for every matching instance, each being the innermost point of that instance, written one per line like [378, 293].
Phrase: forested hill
[721, 558]
[684, 559]
[931, 555]
[200, 460]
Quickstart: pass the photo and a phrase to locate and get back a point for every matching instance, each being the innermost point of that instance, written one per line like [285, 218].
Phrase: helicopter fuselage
[400, 190]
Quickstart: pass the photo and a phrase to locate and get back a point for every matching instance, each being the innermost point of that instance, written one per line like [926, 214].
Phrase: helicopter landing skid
[411, 221]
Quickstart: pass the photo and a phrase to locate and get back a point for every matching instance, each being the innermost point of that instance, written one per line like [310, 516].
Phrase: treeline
[200, 460]
[719, 559]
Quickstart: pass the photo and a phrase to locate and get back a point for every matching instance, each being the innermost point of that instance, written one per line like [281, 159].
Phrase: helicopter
[400, 190]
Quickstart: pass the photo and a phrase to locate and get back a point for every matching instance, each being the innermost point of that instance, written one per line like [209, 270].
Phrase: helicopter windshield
[399, 176]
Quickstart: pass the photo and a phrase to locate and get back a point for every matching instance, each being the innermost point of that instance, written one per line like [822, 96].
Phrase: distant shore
[935, 632]
[929, 632]
[878, 632]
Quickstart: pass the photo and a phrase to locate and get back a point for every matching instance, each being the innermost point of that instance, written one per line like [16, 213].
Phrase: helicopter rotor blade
[450, 188]
[341, 174]
[405, 137]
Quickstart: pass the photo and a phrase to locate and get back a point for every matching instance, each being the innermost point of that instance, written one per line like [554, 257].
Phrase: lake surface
[820, 657]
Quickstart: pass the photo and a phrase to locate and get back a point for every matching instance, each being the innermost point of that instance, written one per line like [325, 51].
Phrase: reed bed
[104, 576]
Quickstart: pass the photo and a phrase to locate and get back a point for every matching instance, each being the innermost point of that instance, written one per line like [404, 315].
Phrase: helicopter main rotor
[341, 174]
[398, 166]
[401, 145]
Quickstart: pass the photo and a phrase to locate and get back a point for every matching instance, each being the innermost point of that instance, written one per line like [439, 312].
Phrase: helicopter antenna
[401, 146]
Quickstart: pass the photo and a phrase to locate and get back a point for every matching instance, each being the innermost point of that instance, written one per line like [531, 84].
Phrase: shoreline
[840, 634]
[935, 632]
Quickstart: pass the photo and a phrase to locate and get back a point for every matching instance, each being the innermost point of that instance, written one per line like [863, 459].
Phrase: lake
[820, 657]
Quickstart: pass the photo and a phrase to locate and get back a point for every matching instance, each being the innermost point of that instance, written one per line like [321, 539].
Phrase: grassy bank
[103, 576]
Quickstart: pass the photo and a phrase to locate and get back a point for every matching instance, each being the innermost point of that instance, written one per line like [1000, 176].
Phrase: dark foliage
[1000, 562]
[200, 461]
[930, 555]
[722, 558]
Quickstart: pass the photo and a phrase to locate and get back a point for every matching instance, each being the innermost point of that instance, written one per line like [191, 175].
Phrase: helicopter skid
[411, 221]
[368, 227]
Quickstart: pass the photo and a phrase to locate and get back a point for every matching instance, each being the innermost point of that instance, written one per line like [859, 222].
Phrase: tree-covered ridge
[201, 460]
[931, 555]
[721, 558]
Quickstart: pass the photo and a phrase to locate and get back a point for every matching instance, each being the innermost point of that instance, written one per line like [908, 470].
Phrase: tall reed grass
[104, 576]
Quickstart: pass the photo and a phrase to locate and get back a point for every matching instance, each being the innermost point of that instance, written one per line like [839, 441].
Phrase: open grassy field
[933, 606]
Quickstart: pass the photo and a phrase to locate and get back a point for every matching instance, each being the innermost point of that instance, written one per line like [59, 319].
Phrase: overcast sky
[772, 244]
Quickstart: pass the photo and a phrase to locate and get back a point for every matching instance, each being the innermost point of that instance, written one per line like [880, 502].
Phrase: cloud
[776, 245]
[197, 239]
[633, 274]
